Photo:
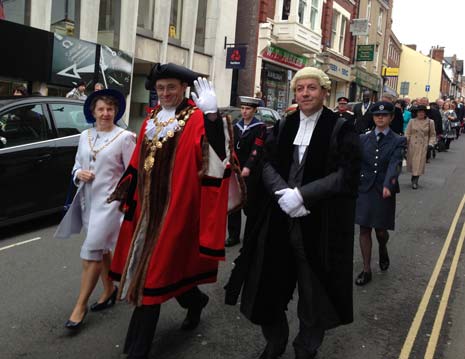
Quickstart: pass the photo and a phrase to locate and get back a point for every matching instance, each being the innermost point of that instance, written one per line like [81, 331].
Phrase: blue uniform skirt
[375, 212]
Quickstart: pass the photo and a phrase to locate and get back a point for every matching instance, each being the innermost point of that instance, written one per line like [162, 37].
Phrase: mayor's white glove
[205, 99]
[290, 200]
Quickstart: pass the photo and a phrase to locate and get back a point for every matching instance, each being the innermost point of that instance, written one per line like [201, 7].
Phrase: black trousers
[234, 225]
[144, 322]
[311, 333]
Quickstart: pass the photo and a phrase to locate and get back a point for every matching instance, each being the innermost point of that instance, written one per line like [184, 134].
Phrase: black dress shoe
[363, 278]
[304, 355]
[193, 314]
[111, 300]
[75, 325]
[267, 355]
[231, 242]
[383, 258]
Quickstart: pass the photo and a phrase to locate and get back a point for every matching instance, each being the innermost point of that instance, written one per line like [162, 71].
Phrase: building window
[302, 8]
[338, 31]
[314, 14]
[108, 22]
[286, 9]
[369, 10]
[200, 27]
[342, 34]
[15, 11]
[175, 20]
[380, 20]
[63, 17]
[334, 37]
[145, 14]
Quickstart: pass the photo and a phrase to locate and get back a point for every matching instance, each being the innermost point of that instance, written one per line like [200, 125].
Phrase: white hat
[249, 101]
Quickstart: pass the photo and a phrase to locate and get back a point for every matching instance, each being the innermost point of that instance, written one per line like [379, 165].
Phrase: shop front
[364, 80]
[278, 68]
[339, 75]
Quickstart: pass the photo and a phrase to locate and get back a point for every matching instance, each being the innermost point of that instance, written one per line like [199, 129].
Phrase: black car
[38, 142]
[265, 114]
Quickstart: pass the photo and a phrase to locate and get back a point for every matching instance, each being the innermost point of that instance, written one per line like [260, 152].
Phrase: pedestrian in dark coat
[304, 234]
[249, 139]
[363, 116]
[343, 111]
[382, 155]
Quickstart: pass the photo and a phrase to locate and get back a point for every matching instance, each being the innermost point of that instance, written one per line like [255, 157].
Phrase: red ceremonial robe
[173, 233]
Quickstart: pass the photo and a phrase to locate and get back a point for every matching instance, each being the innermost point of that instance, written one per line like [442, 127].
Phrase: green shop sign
[284, 57]
[365, 52]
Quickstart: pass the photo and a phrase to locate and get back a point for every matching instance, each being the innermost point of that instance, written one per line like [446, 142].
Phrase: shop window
[15, 11]
[286, 9]
[174, 30]
[200, 28]
[145, 14]
[108, 22]
[63, 17]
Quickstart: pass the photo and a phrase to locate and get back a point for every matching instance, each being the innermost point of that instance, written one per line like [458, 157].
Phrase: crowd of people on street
[154, 212]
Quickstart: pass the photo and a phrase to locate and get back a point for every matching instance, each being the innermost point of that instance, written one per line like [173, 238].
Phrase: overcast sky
[431, 23]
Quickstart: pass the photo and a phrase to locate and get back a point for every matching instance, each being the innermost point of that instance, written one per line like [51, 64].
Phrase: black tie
[380, 136]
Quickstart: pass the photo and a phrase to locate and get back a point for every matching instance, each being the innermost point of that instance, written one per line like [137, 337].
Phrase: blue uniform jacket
[381, 161]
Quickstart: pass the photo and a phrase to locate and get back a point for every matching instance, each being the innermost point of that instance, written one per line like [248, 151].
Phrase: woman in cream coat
[420, 135]
[103, 154]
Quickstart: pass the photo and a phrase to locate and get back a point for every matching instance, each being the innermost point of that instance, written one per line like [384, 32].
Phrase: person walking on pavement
[103, 154]
[305, 231]
[382, 155]
[249, 138]
[420, 135]
[78, 93]
[363, 116]
[343, 111]
[175, 197]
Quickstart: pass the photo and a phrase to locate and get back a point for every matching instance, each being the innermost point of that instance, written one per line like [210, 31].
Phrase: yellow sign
[390, 71]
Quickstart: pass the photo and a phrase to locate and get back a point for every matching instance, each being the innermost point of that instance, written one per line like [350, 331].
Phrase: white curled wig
[311, 73]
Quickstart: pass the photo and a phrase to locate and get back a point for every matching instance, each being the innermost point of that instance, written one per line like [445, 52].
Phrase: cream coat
[419, 134]
[89, 210]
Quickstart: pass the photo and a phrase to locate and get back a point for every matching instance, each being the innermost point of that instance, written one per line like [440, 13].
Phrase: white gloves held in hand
[205, 99]
[291, 202]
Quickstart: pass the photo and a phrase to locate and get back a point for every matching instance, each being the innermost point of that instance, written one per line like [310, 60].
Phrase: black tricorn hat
[170, 71]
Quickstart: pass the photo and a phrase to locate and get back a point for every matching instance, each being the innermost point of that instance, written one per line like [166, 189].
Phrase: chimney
[412, 46]
[438, 53]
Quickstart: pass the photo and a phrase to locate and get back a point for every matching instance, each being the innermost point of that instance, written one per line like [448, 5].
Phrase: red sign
[284, 57]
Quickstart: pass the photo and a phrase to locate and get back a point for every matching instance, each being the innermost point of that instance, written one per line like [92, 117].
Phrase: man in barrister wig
[175, 196]
[304, 234]
[249, 137]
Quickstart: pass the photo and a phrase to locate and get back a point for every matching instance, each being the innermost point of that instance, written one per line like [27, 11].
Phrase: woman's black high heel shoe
[75, 325]
[96, 307]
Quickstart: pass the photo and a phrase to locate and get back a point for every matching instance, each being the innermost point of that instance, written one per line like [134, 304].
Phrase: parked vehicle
[38, 143]
[265, 114]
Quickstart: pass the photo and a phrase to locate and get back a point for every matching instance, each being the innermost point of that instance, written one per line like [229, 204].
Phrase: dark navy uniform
[248, 145]
[348, 115]
[381, 165]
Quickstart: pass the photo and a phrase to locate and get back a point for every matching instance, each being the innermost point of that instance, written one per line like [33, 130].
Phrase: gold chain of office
[157, 143]
[95, 151]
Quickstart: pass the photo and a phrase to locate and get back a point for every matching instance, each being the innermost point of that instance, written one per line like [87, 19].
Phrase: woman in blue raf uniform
[249, 138]
[382, 154]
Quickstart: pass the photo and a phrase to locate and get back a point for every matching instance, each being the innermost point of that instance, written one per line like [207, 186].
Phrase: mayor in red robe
[175, 198]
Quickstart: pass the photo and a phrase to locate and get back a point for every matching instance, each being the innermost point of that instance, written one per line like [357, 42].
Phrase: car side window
[267, 117]
[23, 125]
[69, 119]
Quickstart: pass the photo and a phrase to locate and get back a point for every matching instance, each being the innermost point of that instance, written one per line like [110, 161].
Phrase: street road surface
[414, 310]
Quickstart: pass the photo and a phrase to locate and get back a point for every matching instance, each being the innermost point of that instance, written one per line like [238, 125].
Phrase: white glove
[290, 200]
[300, 212]
[205, 99]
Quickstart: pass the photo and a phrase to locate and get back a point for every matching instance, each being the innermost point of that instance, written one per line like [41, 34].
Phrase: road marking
[433, 340]
[20, 243]
[414, 328]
